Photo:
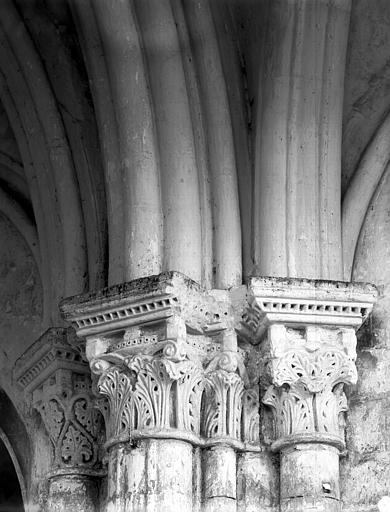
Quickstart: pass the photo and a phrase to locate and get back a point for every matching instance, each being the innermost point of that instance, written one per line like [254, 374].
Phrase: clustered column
[173, 382]
[297, 149]
[152, 412]
[57, 382]
[178, 369]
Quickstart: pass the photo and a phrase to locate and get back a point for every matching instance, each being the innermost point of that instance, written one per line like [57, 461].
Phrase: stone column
[57, 381]
[257, 478]
[145, 397]
[172, 379]
[298, 140]
[224, 390]
[307, 329]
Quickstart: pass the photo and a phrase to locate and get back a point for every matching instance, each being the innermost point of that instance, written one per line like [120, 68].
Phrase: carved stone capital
[308, 371]
[223, 403]
[151, 396]
[167, 358]
[308, 342]
[57, 379]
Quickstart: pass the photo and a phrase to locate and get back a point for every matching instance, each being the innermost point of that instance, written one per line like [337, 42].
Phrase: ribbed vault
[127, 147]
[127, 140]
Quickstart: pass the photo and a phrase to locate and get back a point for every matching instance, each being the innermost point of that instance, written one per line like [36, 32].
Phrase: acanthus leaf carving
[250, 416]
[308, 376]
[116, 386]
[152, 392]
[293, 409]
[331, 404]
[315, 369]
[223, 404]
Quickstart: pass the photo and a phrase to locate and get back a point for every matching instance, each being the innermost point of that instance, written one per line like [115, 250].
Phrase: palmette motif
[76, 447]
[73, 425]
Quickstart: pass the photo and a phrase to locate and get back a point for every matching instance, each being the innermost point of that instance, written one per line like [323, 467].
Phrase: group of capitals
[160, 357]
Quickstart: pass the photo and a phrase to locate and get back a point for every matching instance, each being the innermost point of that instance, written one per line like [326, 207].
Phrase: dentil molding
[307, 330]
[172, 358]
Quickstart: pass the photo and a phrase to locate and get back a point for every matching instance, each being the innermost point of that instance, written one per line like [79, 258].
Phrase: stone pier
[298, 139]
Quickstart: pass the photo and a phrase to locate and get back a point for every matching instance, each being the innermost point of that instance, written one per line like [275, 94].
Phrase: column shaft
[257, 482]
[153, 474]
[68, 493]
[308, 354]
[298, 140]
[219, 466]
[309, 478]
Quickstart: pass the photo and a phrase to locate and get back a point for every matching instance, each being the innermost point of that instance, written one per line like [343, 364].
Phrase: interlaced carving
[54, 373]
[86, 415]
[76, 448]
[72, 422]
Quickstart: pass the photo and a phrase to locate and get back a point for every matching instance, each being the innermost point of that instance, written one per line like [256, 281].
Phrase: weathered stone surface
[373, 363]
[298, 139]
[143, 136]
[364, 471]
[72, 492]
[365, 481]
[307, 329]
[172, 374]
[372, 415]
[310, 471]
[257, 482]
[21, 302]
[150, 475]
[219, 463]
[56, 379]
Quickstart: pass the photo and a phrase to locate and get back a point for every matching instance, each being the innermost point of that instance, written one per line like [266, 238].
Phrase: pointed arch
[360, 192]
